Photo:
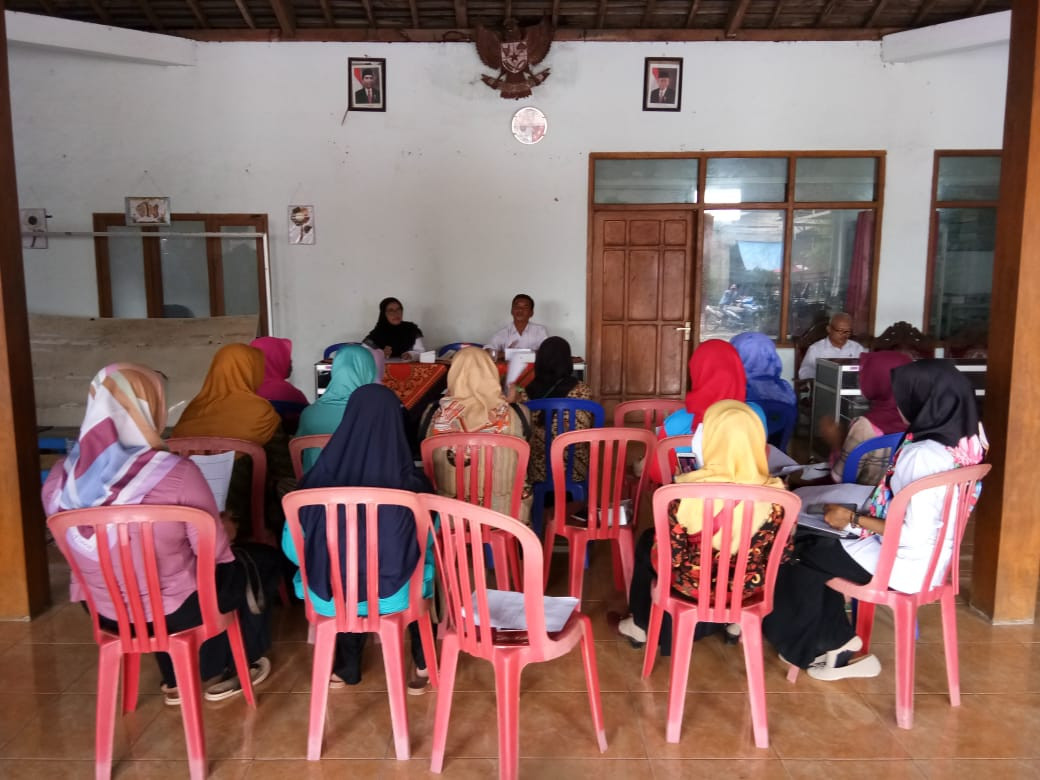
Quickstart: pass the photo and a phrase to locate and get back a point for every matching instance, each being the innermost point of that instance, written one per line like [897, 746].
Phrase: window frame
[788, 205]
[153, 262]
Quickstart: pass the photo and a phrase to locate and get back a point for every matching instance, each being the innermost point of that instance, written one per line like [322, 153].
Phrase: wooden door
[641, 283]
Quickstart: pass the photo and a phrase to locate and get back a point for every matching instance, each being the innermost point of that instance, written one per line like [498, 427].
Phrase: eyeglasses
[840, 332]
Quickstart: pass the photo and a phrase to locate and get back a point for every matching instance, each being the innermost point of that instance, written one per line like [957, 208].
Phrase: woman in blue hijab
[762, 367]
[368, 449]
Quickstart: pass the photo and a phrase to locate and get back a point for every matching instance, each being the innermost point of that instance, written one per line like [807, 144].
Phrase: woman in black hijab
[808, 625]
[392, 333]
[368, 449]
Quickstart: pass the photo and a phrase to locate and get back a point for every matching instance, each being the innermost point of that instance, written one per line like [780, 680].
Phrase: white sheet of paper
[506, 610]
[844, 493]
[779, 461]
[217, 471]
[517, 364]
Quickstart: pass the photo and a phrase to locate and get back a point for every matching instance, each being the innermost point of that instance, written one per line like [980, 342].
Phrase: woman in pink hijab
[287, 399]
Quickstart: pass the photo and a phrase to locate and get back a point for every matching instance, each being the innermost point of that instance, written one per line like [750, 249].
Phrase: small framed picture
[301, 224]
[34, 228]
[662, 84]
[367, 84]
[147, 211]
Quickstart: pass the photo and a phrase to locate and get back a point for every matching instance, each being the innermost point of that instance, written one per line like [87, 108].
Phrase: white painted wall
[433, 201]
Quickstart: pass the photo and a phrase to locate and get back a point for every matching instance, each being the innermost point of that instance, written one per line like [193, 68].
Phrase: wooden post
[24, 589]
[1007, 535]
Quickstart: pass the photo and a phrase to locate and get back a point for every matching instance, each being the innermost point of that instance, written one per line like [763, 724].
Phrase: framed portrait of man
[662, 84]
[367, 90]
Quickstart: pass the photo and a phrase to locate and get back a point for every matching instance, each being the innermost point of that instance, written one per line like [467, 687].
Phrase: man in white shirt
[836, 345]
[521, 333]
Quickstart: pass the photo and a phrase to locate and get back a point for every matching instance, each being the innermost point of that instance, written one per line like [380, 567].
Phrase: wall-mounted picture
[367, 85]
[662, 84]
[301, 224]
[34, 228]
[148, 211]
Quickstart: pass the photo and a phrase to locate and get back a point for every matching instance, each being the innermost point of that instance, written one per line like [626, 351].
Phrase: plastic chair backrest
[781, 419]
[476, 485]
[608, 459]
[126, 534]
[298, 444]
[888, 441]
[344, 575]
[332, 349]
[959, 484]
[651, 411]
[464, 528]
[457, 345]
[665, 453]
[212, 445]
[726, 504]
[563, 412]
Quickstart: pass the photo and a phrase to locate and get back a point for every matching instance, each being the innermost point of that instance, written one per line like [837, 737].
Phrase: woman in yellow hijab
[734, 452]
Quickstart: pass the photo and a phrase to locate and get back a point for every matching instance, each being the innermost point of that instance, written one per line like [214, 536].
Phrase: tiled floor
[841, 730]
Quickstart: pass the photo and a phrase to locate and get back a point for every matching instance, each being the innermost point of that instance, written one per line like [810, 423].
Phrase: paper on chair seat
[217, 471]
[506, 610]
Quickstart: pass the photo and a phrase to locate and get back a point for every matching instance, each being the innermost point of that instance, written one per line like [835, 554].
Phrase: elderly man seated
[836, 345]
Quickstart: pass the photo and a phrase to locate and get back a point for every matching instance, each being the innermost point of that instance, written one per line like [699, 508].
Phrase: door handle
[685, 331]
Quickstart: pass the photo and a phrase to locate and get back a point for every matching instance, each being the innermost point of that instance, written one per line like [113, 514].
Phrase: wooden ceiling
[453, 20]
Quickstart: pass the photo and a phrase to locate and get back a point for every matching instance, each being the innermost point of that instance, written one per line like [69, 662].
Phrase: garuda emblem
[514, 56]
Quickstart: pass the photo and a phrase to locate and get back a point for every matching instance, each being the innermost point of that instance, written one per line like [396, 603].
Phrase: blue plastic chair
[332, 349]
[564, 412]
[887, 442]
[781, 418]
[457, 345]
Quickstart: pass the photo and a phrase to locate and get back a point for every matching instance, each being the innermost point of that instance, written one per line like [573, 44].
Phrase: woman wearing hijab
[762, 367]
[474, 403]
[228, 405]
[554, 378]
[734, 452]
[119, 459]
[352, 367]
[276, 387]
[392, 333]
[808, 625]
[368, 449]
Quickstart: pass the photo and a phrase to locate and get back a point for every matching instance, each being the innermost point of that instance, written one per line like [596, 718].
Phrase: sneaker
[627, 628]
[171, 696]
[732, 633]
[419, 682]
[867, 666]
[231, 686]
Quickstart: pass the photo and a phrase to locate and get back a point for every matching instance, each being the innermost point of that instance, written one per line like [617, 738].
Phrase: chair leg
[105, 713]
[683, 626]
[429, 645]
[626, 551]
[617, 566]
[905, 614]
[507, 694]
[576, 553]
[393, 662]
[751, 634]
[449, 662]
[653, 636]
[547, 551]
[953, 672]
[324, 650]
[588, 657]
[185, 656]
[238, 651]
[865, 623]
[131, 681]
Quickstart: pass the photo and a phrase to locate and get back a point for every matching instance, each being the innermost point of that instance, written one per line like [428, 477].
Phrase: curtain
[857, 296]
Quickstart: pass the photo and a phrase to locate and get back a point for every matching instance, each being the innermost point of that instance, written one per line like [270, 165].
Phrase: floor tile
[968, 769]
[141, 769]
[357, 725]
[229, 729]
[45, 668]
[17, 709]
[852, 769]
[803, 725]
[714, 725]
[730, 769]
[47, 769]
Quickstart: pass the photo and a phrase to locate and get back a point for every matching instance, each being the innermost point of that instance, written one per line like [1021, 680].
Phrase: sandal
[336, 682]
[172, 696]
[419, 681]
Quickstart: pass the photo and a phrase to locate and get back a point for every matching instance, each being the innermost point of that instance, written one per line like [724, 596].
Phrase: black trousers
[808, 618]
[346, 663]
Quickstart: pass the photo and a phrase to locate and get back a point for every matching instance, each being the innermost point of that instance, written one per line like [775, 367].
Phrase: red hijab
[716, 374]
[875, 382]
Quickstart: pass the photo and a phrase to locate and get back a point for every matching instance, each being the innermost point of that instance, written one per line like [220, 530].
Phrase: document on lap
[217, 471]
[815, 496]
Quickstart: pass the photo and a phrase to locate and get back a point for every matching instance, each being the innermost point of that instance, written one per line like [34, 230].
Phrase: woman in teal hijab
[352, 367]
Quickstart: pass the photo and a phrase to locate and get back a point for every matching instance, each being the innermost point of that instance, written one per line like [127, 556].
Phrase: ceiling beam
[555, 13]
[48, 6]
[367, 5]
[150, 14]
[825, 13]
[776, 13]
[977, 8]
[508, 10]
[692, 15]
[286, 17]
[651, 9]
[460, 13]
[197, 13]
[361, 34]
[101, 13]
[875, 13]
[326, 11]
[246, 16]
[601, 14]
[411, 7]
[736, 18]
[926, 8]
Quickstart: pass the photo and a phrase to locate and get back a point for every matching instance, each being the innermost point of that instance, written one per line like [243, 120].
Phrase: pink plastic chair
[298, 444]
[212, 445]
[390, 628]
[609, 450]
[665, 452]
[959, 486]
[483, 449]
[651, 411]
[721, 506]
[463, 528]
[127, 534]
